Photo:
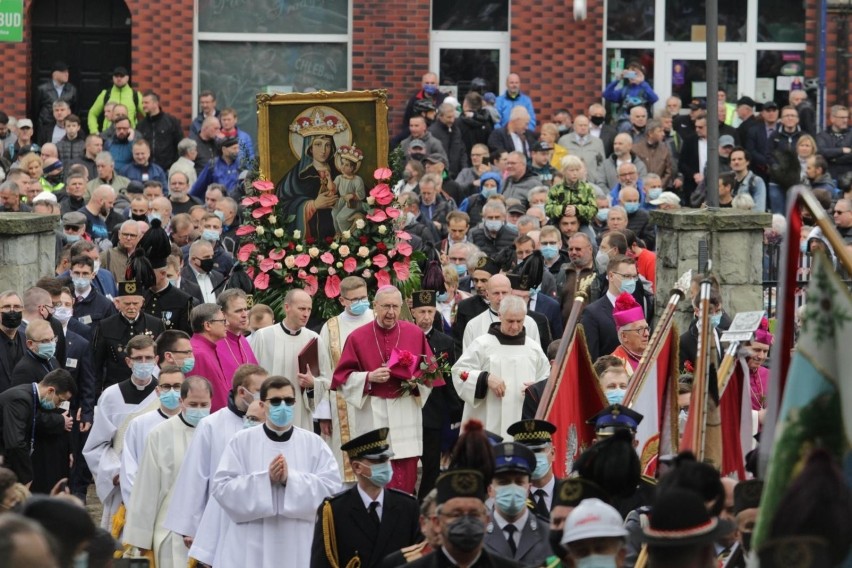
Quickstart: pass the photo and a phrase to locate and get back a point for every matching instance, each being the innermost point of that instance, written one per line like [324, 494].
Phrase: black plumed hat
[531, 270]
[156, 244]
[433, 278]
[613, 464]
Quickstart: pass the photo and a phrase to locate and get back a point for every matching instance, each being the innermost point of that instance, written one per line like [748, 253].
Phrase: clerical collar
[137, 385]
[232, 406]
[163, 414]
[290, 331]
[278, 436]
[385, 329]
[520, 339]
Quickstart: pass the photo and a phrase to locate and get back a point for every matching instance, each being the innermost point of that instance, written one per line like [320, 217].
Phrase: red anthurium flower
[382, 278]
[303, 260]
[404, 248]
[393, 212]
[268, 200]
[380, 260]
[277, 254]
[245, 230]
[267, 264]
[327, 257]
[262, 281]
[245, 252]
[382, 194]
[263, 185]
[250, 271]
[350, 264]
[378, 216]
[332, 286]
[402, 270]
[311, 285]
[248, 201]
[261, 211]
[382, 174]
[403, 235]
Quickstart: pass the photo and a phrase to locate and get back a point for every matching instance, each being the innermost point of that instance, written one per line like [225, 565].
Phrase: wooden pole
[700, 383]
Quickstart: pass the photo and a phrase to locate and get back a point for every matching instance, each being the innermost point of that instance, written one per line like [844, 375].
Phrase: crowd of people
[214, 430]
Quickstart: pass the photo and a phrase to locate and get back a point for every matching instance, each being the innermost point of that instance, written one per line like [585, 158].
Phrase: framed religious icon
[317, 149]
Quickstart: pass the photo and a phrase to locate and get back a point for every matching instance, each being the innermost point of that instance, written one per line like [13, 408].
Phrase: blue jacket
[505, 104]
[134, 172]
[629, 95]
[217, 171]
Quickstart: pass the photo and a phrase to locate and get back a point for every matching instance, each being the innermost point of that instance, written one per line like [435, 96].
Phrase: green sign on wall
[11, 20]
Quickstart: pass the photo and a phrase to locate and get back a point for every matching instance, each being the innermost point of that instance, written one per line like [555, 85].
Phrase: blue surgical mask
[144, 370]
[47, 403]
[170, 399]
[631, 208]
[534, 292]
[81, 560]
[46, 350]
[173, 282]
[443, 297]
[152, 216]
[430, 89]
[596, 561]
[488, 192]
[542, 466]
[628, 285]
[281, 415]
[615, 396]
[549, 252]
[381, 473]
[81, 284]
[602, 214]
[511, 499]
[194, 415]
[220, 215]
[249, 423]
[187, 365]
[63, 314]
[655, 193]
[210, 235]
[716, 319]
[803, 246]
[358, 308]
[461, 269]
[494, 225]
[71, 239]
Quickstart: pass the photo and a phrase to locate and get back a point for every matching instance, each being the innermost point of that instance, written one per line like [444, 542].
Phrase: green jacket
[125, 96]
[581, 196]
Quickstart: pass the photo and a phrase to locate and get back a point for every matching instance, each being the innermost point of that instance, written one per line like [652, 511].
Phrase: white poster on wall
[764, 89]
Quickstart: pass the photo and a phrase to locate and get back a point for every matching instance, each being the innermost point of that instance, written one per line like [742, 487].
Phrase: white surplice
[164, 450]
[192, 512]
[278, 353]
[478, 326]
[339, 411]
[106, 439]
[272, 524]
[515, 364]
[134, 447]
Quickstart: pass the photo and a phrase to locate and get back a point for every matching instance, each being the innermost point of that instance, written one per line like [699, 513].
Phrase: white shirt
[519, 525]
[206, 286]
[520, 143]
[368, 500]
[702, 154]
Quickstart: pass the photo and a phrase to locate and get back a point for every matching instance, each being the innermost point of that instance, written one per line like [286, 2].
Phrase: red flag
[735, 409]
[577, 396]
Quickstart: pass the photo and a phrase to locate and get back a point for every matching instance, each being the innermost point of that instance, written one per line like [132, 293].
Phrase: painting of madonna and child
[320, 149]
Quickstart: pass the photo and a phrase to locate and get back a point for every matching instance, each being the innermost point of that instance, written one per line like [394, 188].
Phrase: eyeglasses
[166, 388]
[625, 275]
[836, 212]
[353, 300]
[49, 307]
[187, 352]
[276, 401]
[45, 341]
[641, 330]
[389, 307]
[223, 320]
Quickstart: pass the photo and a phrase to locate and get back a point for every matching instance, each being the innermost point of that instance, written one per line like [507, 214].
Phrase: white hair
[512, 305]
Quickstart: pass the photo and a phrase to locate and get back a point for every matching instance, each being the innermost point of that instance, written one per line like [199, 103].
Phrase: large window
[685, 20]
[246, 47]
[630, 20]
[781, 21]
[470, 15]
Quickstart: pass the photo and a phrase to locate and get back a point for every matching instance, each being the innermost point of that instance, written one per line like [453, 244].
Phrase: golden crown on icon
[318, 123]
[352, 153]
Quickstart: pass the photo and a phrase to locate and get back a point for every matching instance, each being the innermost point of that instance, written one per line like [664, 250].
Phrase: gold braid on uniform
[330, 539]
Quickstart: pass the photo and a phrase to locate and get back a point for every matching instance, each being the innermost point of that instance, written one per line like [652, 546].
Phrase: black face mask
[142, 217]
[466, 533]
[746, 536]
[207, 264]
[597, 120]
[556, 543]
[11, 320]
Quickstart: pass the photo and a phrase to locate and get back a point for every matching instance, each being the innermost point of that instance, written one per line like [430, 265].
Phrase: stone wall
[27, 249]
[735, 247]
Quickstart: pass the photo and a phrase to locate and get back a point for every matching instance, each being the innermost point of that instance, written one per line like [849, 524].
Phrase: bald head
[498, 287]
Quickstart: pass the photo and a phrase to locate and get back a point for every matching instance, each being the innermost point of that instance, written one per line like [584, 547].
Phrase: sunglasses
[276, 401]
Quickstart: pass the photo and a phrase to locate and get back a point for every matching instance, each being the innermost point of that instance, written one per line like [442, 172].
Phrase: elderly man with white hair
[377, 360]
[491, 375]
[499, 288]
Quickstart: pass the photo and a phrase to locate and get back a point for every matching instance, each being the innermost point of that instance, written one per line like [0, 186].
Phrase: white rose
[344, 250]
[290, 261]
[360, 224]
[371, 200]
[383, 229]
[339, 265]
[297, 233]
[272, 219]
[260, 230]
[314, 252]
[334, 246]
[363, 252]
[299, 248]
[278, 233]
[368, 263]
[346, 235]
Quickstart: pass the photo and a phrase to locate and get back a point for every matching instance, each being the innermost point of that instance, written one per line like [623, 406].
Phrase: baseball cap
[770, 105]
[666, 198]
[593, 518]
[45, 197]
[517, 208]
[435, 158]
[542, 146]
[417, 144]
[120, 70]
[748, 101]
[697, 104]
[25, 123]
[726, 140]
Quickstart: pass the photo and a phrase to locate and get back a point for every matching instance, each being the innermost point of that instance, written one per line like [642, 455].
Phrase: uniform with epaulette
[352, 532]
[111, 337]
[537, 435]
[515, 531]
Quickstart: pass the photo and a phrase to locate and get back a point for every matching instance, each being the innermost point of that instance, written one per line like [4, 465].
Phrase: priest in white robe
[158, 470]
[192, 513]
[277, 350]
[499, 286]
[270, 482]
[371, 384]
[168, 391]
[356, 313]
[117, 406]
[492, 374]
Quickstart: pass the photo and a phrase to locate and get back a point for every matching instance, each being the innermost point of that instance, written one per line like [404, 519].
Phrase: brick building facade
[561, 60]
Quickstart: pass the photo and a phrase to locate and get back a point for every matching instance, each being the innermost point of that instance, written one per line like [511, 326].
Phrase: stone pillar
[734, 245]
[27, 249]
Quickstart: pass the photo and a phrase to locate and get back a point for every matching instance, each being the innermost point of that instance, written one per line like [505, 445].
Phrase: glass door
[459, 59]
[685, 74]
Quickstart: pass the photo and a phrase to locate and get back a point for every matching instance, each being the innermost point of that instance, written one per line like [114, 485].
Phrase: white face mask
[96, 267]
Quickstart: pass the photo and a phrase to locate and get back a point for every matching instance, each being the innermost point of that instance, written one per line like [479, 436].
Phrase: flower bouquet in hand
[429, 373]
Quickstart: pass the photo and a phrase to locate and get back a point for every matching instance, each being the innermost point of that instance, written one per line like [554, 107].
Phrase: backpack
[137, 100]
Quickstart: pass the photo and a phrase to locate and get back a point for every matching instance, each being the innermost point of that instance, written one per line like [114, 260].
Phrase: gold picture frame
[289, 125]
